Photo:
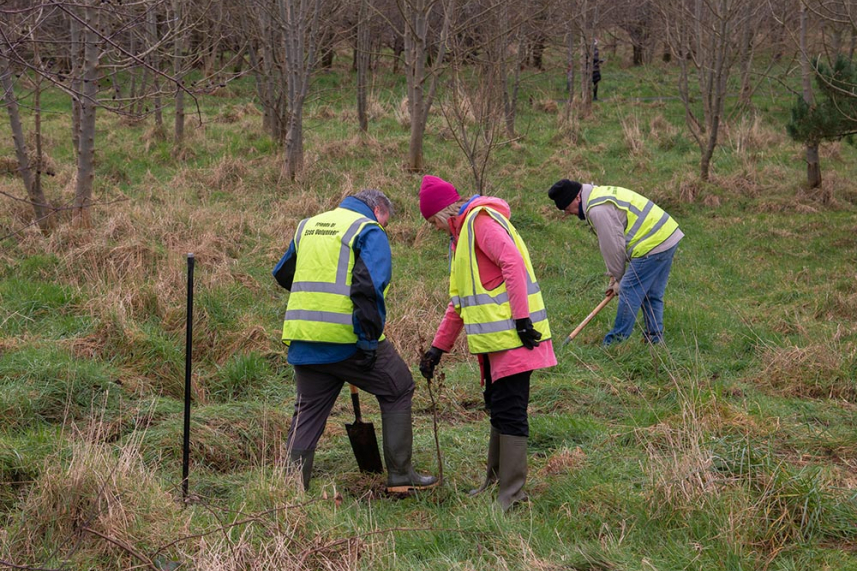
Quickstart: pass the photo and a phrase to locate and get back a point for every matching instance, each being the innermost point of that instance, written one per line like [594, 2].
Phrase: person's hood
[498, 204]
[357, 205]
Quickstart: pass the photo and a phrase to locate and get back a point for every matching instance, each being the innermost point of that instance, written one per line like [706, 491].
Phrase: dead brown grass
[744, 183]
[96, 492]
[633, 134]
[661, 130]
[815, 370]
[403, 113]
[564, 461]
[546, 105]
[749, 133]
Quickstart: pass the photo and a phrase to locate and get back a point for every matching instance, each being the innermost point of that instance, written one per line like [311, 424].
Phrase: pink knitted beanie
[435, 195]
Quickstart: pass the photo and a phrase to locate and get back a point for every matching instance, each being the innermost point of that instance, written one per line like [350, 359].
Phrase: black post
[188, 347]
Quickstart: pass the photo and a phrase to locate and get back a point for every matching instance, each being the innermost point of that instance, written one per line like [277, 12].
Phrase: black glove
[529, 336]
[366, 360]
[429, 361]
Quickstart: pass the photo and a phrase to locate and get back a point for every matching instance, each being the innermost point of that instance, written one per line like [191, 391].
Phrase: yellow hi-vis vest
[320, 307]
[487, 314]
[648, 225]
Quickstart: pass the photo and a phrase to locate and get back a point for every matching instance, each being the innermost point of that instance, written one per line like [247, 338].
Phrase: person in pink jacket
[496, 299]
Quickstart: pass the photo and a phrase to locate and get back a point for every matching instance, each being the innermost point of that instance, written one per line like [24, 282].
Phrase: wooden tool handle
[589, 317]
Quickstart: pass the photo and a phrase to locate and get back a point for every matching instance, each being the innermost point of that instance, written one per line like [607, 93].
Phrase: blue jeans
[643, 286]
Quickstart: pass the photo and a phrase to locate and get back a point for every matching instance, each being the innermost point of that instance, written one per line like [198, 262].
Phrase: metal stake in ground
[187, 368]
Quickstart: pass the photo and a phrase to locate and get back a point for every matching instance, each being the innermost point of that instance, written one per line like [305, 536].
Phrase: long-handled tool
[363, 441]
[589, 317]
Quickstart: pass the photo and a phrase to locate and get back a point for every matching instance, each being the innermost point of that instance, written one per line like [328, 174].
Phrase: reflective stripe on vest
[320, 307]
[487, 314]
[648, 225]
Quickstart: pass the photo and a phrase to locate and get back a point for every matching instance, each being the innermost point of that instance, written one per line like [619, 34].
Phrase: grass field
[731, 447]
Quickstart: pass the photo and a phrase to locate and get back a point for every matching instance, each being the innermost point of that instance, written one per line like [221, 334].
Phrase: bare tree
[362, 56]
[702, 34]
[178, 67]
[422, 77]
[89, 92]
[301, 29]
[476, 96]
[34, 191]
[85, 44]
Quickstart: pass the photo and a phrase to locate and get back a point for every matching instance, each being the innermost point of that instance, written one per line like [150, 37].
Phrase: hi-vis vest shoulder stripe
[487, 314]
[320, 307]
[648, 225]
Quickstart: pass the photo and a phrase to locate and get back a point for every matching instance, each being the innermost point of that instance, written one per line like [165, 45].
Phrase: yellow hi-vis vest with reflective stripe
[320, 307]
[648, 225]
[487, 314]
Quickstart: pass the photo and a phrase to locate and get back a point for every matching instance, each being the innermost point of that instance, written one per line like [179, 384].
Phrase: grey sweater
[609, 224]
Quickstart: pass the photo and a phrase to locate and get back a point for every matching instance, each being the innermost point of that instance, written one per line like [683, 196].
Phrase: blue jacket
[370, 276]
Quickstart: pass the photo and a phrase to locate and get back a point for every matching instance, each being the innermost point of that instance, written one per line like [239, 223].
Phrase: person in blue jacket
[337, 269]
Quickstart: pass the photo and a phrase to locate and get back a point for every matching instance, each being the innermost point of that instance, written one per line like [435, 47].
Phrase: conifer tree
[833, 115]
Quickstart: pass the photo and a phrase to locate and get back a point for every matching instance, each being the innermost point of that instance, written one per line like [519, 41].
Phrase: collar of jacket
[357, 205]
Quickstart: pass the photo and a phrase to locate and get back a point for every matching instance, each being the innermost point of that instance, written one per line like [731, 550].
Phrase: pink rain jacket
[499, 260]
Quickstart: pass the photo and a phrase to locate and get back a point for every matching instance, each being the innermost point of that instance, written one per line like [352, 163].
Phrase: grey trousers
[390, 381]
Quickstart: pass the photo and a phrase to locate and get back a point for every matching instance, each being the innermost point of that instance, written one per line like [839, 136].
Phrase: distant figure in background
[596, 69]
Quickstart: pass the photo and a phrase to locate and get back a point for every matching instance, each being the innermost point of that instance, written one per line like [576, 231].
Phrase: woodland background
[140, 131]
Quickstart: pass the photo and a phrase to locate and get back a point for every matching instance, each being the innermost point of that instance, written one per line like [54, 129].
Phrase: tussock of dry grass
[403, 113]
[546, 105]
[109, 491]
[8, 166]
[661, 130]
[817, 370]
[680, 470]
[689, 188]
[280, 551]
[376, 110]
[745, 183]
[750, 134]
[356, 147]
[225, 437]
[565, 461]
[633, 134]
[235, 113]
[568, 124]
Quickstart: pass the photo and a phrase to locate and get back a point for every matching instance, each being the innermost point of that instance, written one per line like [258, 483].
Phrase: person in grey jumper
[638, 255]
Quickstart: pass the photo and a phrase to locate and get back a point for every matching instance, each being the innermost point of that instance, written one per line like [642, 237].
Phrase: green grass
[732, 447]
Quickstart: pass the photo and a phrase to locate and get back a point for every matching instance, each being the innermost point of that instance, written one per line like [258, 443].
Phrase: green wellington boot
[513, 470]
[493, 463]
[398, 445]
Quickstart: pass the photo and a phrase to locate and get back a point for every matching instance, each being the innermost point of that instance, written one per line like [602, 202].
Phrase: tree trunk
[41, 209]
[295, 145]
[86, 153]
[813, 168]
[813, 164]
[415, 14]
[301, 29]
[746, 56]
[415, 62]
[362, 64]
[178, 50]
[154, 61]
[76, 58]
[586, 72]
